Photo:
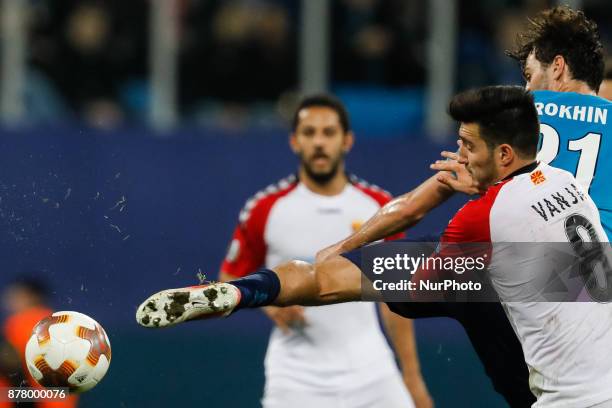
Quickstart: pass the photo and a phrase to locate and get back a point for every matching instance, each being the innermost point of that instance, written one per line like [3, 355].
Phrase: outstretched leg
[334, 280]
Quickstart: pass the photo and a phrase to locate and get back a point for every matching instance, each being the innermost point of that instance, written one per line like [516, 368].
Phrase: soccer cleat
[173, 306]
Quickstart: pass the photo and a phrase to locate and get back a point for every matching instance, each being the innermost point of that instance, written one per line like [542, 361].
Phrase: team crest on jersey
[233, 251]
[356, 225]
[537, 177]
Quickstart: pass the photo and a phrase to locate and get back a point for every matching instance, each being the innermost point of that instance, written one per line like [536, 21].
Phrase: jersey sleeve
[470, 224]
[246, 252]
[467, 235]
[247, 249]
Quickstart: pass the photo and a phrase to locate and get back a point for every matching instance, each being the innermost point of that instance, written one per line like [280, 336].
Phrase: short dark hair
[322, 100]
[505, 114]
[566, 32]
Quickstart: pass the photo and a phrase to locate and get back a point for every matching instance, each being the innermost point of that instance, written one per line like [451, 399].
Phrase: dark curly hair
[505, 114]
[566, 32]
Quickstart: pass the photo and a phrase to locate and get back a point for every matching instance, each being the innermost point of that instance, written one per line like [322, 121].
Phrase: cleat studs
[225, 305]
[223, 290]
[211, 294]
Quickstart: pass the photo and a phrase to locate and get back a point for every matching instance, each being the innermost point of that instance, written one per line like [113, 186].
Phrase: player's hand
[418, 391]
[286, 318]
[454, 174]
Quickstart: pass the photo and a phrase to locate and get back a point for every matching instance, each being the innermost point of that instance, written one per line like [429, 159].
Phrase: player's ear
[506, 154]
[558, 67]
[349, 140]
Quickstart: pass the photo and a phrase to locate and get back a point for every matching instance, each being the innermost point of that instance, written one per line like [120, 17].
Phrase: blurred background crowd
[89, 60]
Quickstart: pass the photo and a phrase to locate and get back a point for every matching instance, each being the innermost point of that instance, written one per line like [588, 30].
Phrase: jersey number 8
[592, 257]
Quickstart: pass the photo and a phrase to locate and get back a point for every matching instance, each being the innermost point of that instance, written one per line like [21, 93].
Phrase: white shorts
[389, 392]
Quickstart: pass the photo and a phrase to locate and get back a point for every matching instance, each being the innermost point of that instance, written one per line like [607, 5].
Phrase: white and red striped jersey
[342, 346]
[566, 345]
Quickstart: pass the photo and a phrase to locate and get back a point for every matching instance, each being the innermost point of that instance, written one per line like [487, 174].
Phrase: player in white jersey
[333, 355]
[566, 351]
[565, 344]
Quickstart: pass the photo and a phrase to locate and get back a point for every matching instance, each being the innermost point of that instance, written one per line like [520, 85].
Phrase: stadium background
[127, 152]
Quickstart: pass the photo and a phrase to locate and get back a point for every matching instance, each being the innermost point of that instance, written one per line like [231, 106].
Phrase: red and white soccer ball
[68, 349]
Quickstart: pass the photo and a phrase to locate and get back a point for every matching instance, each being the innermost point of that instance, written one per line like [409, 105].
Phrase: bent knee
[297, 266]
[295, 275]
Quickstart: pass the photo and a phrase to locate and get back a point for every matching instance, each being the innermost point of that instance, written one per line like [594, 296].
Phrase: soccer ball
[68, 349]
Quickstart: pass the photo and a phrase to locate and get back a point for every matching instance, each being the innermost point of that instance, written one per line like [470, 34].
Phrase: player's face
[538, 77]
[320, 142]
[480, 158]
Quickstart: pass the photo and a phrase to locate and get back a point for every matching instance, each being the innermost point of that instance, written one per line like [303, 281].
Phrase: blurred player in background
[25, 301]
[333, 355]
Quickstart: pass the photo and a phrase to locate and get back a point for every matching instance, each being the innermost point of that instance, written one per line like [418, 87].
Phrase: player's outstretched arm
[408, 209]
[396, 216]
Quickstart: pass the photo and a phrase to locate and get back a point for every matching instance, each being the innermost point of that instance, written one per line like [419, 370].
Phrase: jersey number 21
[587, 145]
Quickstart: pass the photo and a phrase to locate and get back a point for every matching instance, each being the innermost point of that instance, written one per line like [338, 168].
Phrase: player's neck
[333, 187]
[519, 164]
[571, 85]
